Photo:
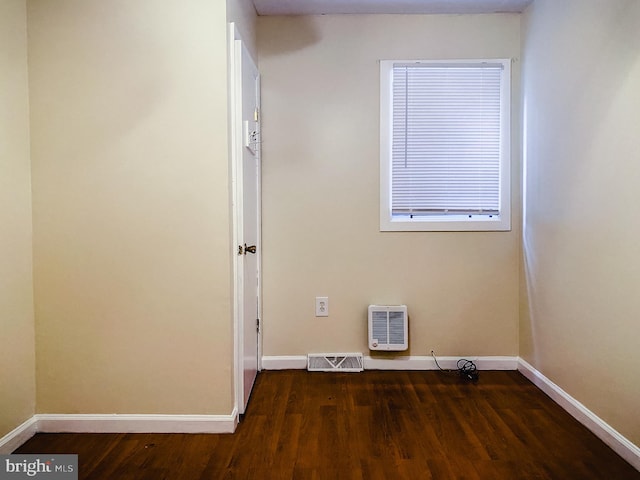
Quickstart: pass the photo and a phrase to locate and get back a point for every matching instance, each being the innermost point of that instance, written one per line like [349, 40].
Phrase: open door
[246, 159]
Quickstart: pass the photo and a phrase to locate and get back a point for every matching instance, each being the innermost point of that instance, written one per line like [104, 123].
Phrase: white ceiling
[318, 7]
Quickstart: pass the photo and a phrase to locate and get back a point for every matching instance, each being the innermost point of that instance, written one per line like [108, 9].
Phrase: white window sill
[446, 223]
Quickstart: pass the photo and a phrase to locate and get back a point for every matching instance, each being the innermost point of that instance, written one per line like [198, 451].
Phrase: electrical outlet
[322, 306]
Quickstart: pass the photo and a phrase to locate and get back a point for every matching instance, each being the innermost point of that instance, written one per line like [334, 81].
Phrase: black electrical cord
[466, 368]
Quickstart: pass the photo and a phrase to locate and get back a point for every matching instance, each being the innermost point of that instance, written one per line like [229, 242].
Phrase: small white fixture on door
[388, 327]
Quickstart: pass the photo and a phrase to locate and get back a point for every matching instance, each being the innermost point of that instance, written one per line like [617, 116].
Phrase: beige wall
[582, 262]
[17, 355]
[320, 103]
[131, 206]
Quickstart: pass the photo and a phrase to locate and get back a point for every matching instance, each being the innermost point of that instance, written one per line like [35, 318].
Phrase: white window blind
[446, 139]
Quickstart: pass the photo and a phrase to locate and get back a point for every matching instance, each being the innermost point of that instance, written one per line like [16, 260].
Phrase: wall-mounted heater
[388, 327]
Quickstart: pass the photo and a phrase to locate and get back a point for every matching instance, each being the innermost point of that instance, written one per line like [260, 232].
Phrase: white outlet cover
[322, 306]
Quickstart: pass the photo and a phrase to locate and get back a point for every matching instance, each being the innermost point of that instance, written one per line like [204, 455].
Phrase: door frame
[236, 134]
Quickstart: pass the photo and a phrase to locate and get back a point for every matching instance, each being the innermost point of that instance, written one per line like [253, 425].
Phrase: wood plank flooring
[364, 426]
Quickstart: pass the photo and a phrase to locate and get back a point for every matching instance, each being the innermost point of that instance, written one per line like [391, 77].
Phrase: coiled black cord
[466, 368]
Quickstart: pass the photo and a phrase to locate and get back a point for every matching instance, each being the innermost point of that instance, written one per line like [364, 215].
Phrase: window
[445, 145]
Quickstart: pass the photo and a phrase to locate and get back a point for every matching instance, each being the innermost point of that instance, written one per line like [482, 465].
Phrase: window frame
[440, 223]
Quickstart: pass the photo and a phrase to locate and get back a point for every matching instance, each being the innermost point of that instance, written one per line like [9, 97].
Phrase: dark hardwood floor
[365, 426]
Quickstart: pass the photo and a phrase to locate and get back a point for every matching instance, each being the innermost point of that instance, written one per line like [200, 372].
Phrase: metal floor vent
[335, 362]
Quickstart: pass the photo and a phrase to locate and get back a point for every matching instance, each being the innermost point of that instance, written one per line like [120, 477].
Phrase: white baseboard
[299, 362]
[289, 362]
[447, 363]
[58, 423]
[605, 432]
[18, 436]
[117, 423]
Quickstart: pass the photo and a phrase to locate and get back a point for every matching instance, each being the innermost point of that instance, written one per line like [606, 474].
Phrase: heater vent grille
[334, 362]
[388, 327]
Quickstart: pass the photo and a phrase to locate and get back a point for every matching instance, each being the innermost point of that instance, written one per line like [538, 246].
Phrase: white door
[248, 176]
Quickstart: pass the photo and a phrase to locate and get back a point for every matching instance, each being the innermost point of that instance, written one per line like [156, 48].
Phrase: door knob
[250, 249]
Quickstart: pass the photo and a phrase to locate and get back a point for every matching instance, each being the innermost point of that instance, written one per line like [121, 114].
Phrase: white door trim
[234, 153]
